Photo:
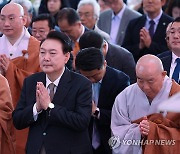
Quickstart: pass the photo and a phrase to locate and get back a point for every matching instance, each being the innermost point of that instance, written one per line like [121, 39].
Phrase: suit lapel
[108, 22]
[104, 86]
[167, 62]
[122, 26]
[63, 88]
[161, 27]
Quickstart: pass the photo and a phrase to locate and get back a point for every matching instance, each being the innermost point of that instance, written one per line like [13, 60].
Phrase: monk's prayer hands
[4, 62]
[42, 97]
[144, 127]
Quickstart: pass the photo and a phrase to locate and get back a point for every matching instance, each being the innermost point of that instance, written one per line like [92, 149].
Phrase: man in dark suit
[107, 84]
[146, 34]
[116, 56]
[56, 103]
[169, 58]
[70, 24]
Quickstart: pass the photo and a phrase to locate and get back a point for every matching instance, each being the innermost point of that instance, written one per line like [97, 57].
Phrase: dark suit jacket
[64, 129]
[112, 84]
[121, 59]
[132, 38]
[166, 58]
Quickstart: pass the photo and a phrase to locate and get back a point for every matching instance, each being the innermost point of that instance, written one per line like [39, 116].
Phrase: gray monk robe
[130, 105]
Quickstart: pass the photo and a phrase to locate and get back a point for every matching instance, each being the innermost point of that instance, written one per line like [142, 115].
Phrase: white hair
[26, 3]
[94, 4]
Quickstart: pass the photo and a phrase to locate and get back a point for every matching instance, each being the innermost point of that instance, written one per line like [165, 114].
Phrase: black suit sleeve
[23, 114]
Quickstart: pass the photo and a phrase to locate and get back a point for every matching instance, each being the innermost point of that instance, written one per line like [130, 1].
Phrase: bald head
[12, 21]
[15, 7]
[150, 75]
[149, 64]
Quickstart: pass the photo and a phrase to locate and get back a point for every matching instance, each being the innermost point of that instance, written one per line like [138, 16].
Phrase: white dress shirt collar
[119, 15]
[56, 82]
[156, 19]
[174, 57]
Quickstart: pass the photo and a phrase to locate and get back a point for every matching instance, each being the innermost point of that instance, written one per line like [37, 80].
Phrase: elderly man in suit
[55, 104]
[171, 59]
[146, 34]
[115, 56]
[107, 83]
[89, 11]
[115, 21]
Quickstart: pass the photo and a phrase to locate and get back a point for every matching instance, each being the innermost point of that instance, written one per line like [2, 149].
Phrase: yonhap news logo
[115, 142]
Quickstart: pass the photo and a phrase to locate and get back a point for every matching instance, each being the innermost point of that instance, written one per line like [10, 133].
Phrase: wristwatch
[51, 105]
[96, 113]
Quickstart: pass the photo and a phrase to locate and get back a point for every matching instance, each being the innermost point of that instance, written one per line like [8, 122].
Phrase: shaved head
[150, 75]
[15, 7]
[149, 64]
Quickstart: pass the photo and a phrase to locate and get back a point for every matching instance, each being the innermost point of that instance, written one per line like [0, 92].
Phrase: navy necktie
[175, 75]
[151, 28]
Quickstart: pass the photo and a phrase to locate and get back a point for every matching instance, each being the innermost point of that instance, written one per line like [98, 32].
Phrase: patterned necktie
[175, 75]
[151, 28]
[51, 89]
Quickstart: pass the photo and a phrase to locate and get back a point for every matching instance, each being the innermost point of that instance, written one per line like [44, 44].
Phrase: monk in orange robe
[19, 57]
[7, 131]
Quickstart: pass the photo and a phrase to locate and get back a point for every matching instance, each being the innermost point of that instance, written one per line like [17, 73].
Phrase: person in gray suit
[115, 20]
[89, 11]
[115, 56]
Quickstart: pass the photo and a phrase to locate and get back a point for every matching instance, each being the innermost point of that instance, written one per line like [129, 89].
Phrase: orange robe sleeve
[7, 131]
[19, 68]
[164, 132]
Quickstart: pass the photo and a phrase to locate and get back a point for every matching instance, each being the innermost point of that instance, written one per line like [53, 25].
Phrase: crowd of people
[87, 76]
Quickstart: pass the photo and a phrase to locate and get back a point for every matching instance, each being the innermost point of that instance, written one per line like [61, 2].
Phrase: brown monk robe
[164, 130]
[19, 68]
[7, 131]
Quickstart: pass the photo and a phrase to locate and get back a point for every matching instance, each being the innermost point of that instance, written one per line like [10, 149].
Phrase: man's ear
[104, 49]
[67, 56]
[164, 73]
[163, 2]
[24, 18]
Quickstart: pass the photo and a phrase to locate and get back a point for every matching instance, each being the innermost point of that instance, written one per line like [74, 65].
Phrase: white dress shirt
[115, 22]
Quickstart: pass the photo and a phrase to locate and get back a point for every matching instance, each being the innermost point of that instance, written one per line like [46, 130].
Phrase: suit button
[44, 134]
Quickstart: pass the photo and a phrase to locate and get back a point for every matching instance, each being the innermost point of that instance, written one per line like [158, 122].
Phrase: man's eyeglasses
[40, 32]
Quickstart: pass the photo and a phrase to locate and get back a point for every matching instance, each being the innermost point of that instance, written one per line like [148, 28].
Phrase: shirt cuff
[35, 112]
